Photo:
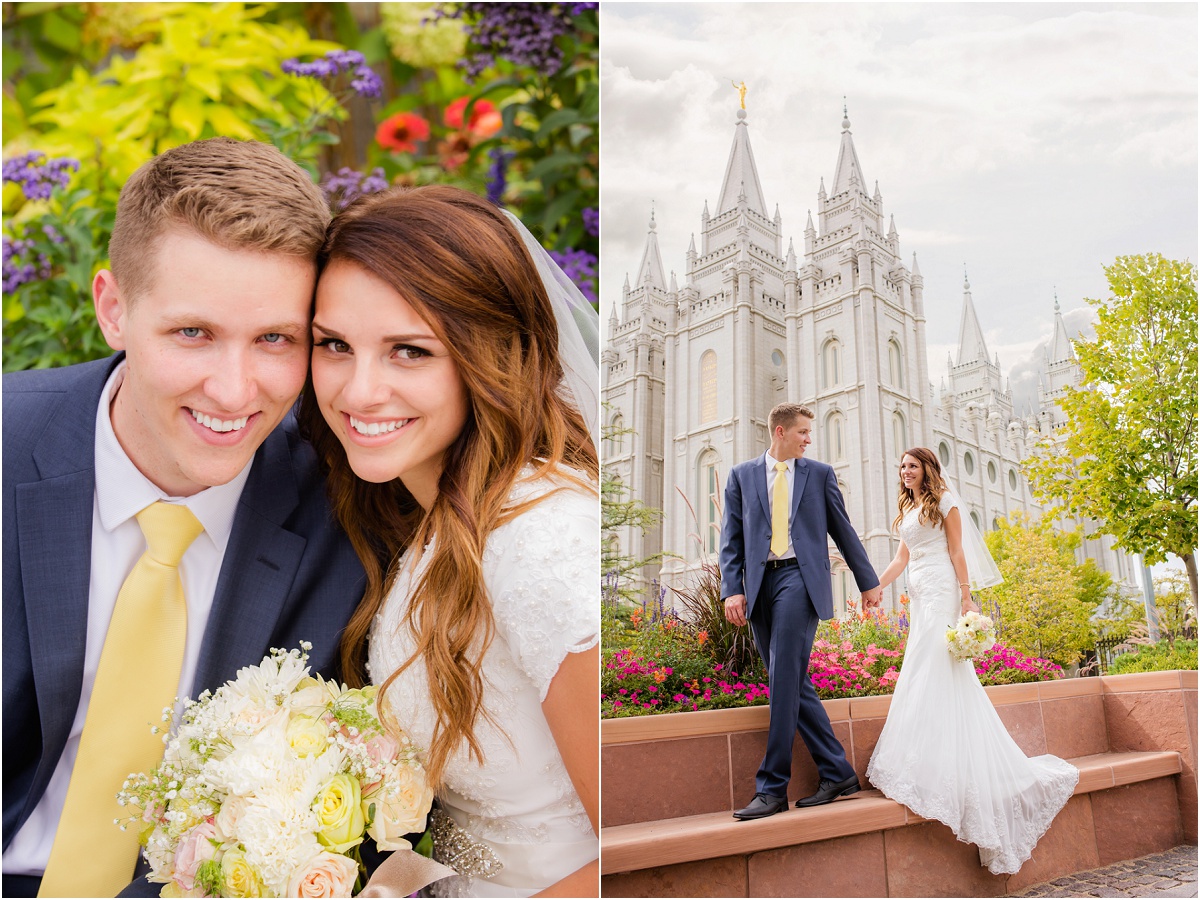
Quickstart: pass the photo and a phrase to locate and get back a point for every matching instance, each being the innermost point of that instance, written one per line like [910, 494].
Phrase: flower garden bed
[655, 662]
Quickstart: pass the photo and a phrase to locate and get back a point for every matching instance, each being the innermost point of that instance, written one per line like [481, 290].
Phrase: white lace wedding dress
[542, 574]
[943, 752]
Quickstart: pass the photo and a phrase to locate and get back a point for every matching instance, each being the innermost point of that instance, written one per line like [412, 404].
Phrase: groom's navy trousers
[784, 603]
[784, 623]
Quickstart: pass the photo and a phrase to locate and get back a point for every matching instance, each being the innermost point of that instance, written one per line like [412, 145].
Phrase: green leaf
[555, 162]
[556, 120]
[245, 88]
[227, 123]
[187, 114]
[558, 208]
[60, 32]
[206, 81]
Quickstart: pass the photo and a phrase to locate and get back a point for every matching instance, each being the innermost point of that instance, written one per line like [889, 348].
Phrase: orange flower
[454, 152]
[485, 118]
[904, 599]
[660, 676]
[401, 132]
[702, 637]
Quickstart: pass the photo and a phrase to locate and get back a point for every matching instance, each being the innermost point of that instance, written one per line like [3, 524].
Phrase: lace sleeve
[947, 503]
[543, 571]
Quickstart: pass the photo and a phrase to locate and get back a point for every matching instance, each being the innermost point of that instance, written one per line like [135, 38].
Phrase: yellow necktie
[779, 511]
[137, 677]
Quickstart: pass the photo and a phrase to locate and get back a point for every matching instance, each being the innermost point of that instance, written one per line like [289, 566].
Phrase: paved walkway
[1168, 874]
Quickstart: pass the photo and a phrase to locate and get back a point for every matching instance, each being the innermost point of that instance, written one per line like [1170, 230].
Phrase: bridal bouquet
[973, 636]
[268, 786]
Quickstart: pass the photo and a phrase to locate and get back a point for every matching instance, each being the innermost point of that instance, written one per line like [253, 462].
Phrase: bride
[943, 752]
[450, 381]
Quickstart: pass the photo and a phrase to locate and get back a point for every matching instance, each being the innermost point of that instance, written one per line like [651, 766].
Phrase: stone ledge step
[642, 845]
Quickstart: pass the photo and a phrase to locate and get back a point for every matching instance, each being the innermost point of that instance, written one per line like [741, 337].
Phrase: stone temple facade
[692, 369]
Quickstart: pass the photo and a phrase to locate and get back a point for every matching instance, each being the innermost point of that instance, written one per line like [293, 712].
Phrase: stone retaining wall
[682, 764]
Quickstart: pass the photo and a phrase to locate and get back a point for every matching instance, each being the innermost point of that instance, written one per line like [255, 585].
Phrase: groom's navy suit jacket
[289, 573]
[817, 511]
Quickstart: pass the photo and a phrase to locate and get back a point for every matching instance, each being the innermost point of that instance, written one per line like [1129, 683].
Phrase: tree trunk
[1189, 563]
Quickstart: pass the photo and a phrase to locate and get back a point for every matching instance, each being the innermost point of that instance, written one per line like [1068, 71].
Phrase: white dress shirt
[117, 543]
[789, 475]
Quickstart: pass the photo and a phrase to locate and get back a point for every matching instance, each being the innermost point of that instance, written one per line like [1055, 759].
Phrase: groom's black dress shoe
[828, 791]
[761, 806]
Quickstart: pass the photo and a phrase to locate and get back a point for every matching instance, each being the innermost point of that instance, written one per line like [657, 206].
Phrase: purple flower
[18, 269]
[365, 82]
[497, 177]
[523, 33]
[37, 180]
[591, 221]
[348, 185]
[580, 267]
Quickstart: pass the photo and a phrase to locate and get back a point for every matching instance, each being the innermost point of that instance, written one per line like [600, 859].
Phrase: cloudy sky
[1032, 142]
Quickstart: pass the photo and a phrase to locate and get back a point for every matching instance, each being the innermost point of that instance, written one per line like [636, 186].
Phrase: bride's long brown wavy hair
[932, 488]
[464, 268]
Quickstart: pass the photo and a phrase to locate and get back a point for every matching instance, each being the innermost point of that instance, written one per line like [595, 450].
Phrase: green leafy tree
[1046, 601]
[1176, 609]
[1127, 456]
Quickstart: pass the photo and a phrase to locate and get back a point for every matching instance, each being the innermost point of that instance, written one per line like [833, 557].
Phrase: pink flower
[197, 846]
[382, 749]
[326, 875]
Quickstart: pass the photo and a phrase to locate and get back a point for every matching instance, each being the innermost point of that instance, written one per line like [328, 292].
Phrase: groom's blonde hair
[240, 195]
[786, 414]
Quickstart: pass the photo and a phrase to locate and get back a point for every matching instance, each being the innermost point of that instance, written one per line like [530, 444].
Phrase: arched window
[831, 364]
[975, 519]
[899, 432]
[835, 437]
[969, 463]
[616, 435]
[944, 454]
[710, 501]
[895, 364]
[708, 386]
[1012, 479]
[995, 523]
[991, 472]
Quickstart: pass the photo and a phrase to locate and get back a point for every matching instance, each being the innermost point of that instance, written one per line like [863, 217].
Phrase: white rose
[326, 875]
[402, 812]
[226, 820]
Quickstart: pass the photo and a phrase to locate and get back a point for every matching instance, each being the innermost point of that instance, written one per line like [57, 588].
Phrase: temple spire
[1060, 344]
[650, 271]
[971, 345]
[849, 170]
[741, 174]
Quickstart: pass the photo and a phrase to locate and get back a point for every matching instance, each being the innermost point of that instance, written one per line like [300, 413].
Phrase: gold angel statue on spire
[741, 89]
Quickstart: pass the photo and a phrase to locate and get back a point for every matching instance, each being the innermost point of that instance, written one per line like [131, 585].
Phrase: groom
[779, 509]
[183, 439]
